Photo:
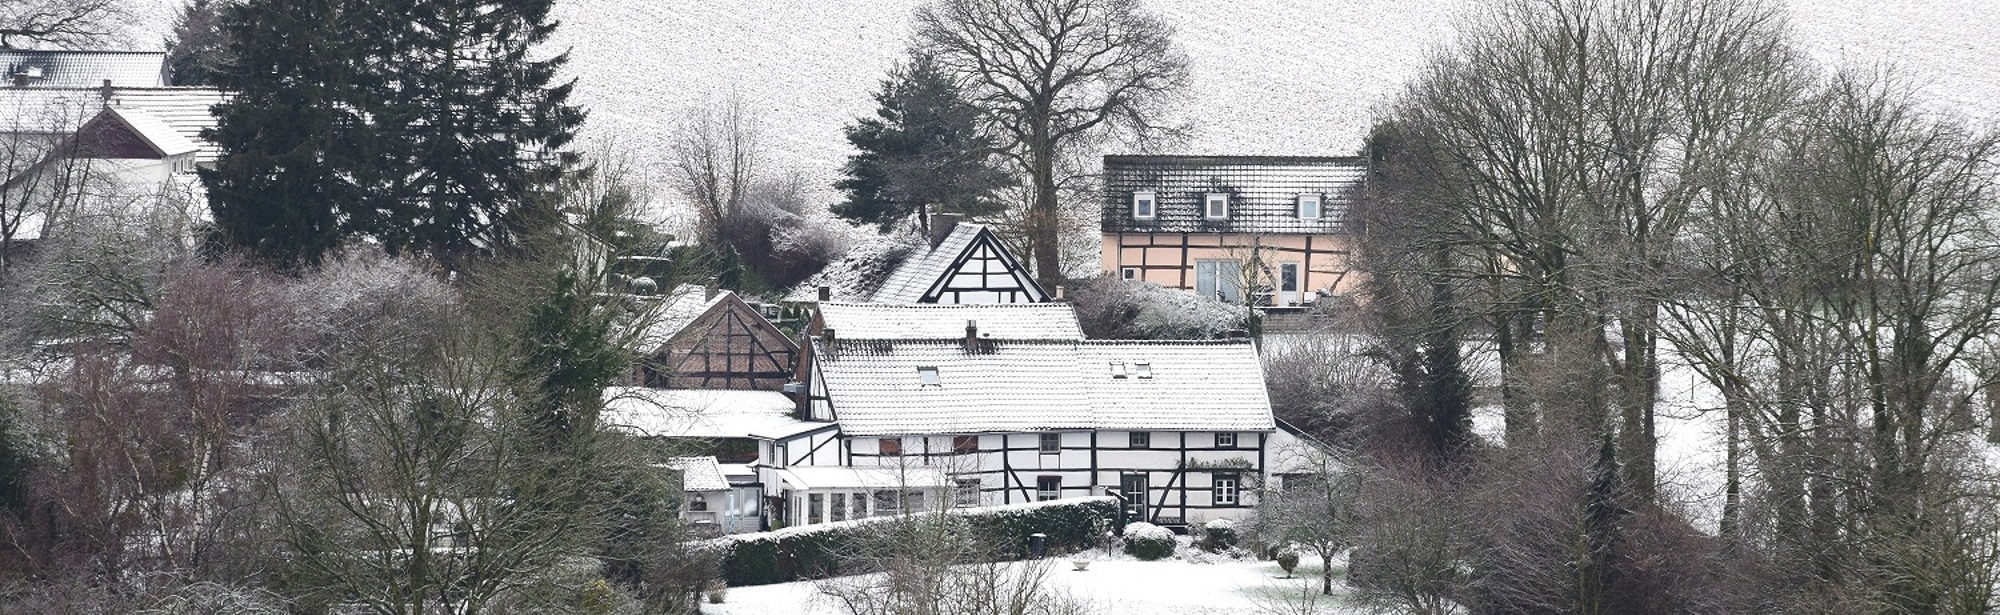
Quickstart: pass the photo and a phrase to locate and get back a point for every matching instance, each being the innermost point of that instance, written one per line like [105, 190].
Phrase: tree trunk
[1044, 236]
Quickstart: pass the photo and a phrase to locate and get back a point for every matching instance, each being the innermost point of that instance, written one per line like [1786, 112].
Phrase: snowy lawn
[1120, 585]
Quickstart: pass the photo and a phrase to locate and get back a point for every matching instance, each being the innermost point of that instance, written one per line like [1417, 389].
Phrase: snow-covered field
[1117, 586]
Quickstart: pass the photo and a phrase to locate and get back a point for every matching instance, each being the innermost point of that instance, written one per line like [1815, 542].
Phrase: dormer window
[1143, 205]
[1216, 206]
[1118, 369]
[1308, 207]
[928, 376]
[1144, 371]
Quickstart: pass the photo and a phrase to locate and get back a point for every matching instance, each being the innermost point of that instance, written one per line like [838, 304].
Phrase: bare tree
[41, 176]
[63, 23]
[1571, 138]
[1320, 513]
[716, 153]
[1052, 78]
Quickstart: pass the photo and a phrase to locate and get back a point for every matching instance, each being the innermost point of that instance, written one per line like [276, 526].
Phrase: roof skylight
[928, 376]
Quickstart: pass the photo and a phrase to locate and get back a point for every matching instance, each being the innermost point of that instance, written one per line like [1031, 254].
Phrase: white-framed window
[1220, 279]
[1048, 488]
[1129, 273]
[1143, 370]
[1225, 440]
[1051, 443]
[1118, 370]
[815, 508]
[1141, 439]
[1288, 277]
[965, 493]
[1215, 206]
[837, 509]
[1144, 205]
[1309, 206]
[1226, 489]
[928, 377]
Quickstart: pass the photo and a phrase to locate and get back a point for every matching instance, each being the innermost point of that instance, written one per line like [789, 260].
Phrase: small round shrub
[1148, 542]
[1288, 559]
[1218, 535]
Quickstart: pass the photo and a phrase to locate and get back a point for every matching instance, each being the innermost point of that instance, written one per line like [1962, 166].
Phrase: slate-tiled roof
[1017, 321]
[77, 69]
[1263, 192]
[704, 413]
[1042, 385]
[699, 473]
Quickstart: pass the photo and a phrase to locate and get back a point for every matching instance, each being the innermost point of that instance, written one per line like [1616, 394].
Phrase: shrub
[1218, 535]
[812, 551]
[1288, 558]
[1148, 542]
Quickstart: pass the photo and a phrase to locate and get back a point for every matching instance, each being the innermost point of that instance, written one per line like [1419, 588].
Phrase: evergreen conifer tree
[426, 125]
[276, 192]
[923, 150]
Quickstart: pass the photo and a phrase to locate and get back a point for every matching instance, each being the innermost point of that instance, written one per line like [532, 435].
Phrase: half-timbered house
[967, 263]
[704, 338]
[1268, 230]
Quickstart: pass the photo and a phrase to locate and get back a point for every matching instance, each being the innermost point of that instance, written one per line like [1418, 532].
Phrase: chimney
[972, 336]
[107, 91]
[801, 400]
[708, 292]
[941, 227]
[1059, 293]
[825, 293]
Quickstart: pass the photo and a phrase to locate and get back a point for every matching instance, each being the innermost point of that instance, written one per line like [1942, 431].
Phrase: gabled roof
[1263, 191]
[703, 413]
[150, 131]
[926, 276]
[1016, 321]
[699, 473]
[44, 68]
[182, 111]
[1042, 385]
[680, 308]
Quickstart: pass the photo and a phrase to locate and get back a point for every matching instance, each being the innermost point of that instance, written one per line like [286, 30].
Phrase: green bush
[1218, 535]
[814, 551]
[1148, 542]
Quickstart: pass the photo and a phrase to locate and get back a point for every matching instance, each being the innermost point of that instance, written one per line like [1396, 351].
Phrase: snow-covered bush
[1147, 541]
[1218, 535]
[865, 266]
[1111, 308]
[1288, 559]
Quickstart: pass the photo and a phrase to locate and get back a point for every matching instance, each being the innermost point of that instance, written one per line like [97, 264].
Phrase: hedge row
[814, 551]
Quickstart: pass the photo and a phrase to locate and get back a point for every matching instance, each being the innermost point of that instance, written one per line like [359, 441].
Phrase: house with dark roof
[1266, 230]
[58, 68]
[700, 337]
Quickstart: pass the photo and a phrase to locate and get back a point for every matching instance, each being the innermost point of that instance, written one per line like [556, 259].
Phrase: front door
[1133, 487]
[1288, 284]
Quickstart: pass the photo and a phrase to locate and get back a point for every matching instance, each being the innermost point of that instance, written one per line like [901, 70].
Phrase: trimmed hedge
[814, 551]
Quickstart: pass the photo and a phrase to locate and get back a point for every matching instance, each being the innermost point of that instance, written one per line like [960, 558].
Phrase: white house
[1011, 404]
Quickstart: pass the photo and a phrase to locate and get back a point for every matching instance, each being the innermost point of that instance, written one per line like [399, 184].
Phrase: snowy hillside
[1271, 76]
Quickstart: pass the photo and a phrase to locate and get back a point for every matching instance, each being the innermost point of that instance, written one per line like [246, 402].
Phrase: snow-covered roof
[680, 308]
[184, 110]
[1263, 192]
[1016, 321]
[926, 271]
[699, 473]
[875, 386]
[154, 131]
[871, 258]
[704, 413]
[849, 477]
[49, 68]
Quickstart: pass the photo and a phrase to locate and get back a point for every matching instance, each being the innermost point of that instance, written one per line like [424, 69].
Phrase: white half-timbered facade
[968, 265]
[1010, 404]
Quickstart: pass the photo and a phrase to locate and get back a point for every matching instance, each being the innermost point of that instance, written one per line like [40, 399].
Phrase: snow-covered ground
[1118, 586]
